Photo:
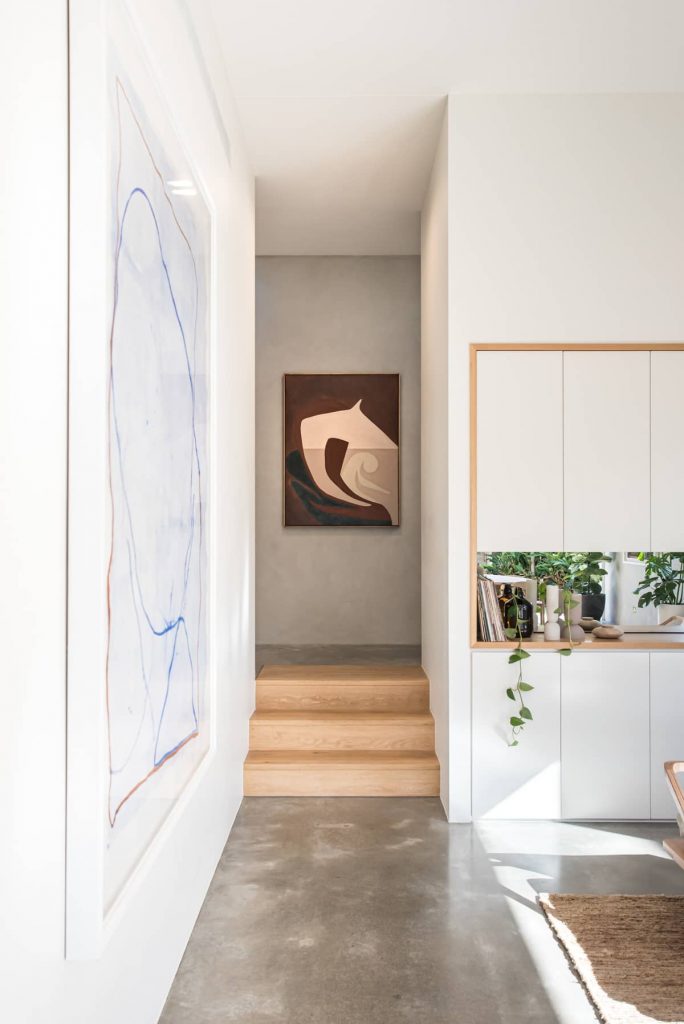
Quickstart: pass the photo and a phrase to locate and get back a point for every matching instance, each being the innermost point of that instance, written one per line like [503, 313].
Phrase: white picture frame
[100, 34]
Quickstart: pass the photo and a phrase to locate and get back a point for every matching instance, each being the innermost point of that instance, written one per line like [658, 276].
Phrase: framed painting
[341, 449]
[140, 473]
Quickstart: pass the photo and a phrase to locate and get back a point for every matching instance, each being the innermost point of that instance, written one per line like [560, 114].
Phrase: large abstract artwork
[157, 577]
[141, 673]
[341, 449]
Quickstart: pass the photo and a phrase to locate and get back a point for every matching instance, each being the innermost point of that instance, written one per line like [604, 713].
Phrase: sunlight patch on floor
[562, 849]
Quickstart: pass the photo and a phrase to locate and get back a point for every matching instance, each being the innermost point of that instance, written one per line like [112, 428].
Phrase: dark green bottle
[516, 611]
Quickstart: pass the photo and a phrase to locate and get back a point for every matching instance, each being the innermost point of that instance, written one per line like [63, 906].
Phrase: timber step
[341, 773]
[342, 688]
[342, 730]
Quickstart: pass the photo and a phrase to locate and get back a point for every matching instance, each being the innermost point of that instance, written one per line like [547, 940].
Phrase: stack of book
[490, 622]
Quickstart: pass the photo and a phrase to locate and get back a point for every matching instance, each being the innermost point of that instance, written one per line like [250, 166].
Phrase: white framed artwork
[140, 676]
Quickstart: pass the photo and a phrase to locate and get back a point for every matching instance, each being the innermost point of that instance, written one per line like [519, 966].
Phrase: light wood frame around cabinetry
[625, 643]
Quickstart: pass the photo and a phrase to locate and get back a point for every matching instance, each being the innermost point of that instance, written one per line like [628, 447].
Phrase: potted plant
[508, 563]
[588, 577]
[557, 571]
[663, 583]
[554, 573]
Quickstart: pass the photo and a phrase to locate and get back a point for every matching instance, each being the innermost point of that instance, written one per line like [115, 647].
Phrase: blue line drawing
[158, 421]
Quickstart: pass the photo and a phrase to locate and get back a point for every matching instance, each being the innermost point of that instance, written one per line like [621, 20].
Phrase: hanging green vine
[516, 693]
[580, 571]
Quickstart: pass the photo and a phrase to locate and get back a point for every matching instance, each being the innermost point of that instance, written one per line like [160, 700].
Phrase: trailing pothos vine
[517, 692]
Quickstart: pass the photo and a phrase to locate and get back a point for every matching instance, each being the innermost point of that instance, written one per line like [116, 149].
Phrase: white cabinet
[604, 725]
[606, 450]
[667, 725]
[519, 451]
[667, 451]
[522, 781]
[606, 765]
[564, 450]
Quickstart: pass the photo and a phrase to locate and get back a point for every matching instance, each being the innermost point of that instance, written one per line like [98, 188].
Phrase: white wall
[566, 223]
[336, 585]
[621, 582]
[130, 981]
[435, 452]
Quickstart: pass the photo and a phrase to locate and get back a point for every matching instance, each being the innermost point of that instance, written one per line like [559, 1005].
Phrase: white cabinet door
[605, 735]
[667, 451]
[519, 451]
[667, 725]
[522, 781]
[606, 451]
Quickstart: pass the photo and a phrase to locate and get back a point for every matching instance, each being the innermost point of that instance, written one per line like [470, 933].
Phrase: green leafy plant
[567, 603]
[523, 714]
[556, 567]
[508, 563]
[589, 571]
[562, 568]
[517, 693]
[573, 572]
[663, 581]
[578, 571]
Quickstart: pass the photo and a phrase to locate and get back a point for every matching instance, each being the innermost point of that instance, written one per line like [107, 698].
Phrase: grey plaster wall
[318, 585]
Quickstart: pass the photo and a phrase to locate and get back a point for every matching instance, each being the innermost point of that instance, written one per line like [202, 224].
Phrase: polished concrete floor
[374, 911]
[337, 654]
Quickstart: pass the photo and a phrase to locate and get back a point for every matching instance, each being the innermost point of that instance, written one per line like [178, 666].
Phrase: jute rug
[628, 952]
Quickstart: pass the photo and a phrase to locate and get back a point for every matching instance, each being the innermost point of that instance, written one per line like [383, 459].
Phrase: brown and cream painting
[341, 449]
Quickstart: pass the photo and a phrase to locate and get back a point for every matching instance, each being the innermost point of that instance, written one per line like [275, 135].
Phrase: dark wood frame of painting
[342, 373]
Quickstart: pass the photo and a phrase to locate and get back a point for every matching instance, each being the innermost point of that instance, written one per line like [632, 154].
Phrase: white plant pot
[666, 611]
[576, 610]
[552, 631]
[576, 632]
[551, 603]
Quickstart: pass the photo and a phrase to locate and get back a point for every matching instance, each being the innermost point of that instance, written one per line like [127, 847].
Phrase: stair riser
[325, 736]
[341, 782]
[341, 697]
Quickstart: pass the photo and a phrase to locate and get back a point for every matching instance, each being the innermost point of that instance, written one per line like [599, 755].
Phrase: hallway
[331, 332]
[366, 911]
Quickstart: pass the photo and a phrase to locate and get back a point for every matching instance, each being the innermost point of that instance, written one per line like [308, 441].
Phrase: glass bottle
[516, 611]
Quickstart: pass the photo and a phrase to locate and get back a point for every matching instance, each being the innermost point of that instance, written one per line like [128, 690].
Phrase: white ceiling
[341, 101]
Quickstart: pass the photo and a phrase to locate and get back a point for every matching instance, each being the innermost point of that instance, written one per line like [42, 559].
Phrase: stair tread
[349, 730]
[353, 718]
[342, 758]
[396, 675]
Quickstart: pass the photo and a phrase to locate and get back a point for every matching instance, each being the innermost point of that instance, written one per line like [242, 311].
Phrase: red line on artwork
[149, 775]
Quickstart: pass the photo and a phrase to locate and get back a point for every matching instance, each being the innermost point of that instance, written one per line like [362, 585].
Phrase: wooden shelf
[627, 642]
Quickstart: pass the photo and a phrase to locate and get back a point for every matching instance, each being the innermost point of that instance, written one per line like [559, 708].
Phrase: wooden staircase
[341, 730]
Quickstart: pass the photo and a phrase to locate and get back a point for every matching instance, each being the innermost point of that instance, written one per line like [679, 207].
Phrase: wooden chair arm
[672, 768]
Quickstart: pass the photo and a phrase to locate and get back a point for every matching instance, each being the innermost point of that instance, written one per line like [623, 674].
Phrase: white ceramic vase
[571, 627]
[551, 602]
[551, 626]
[576, 609]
